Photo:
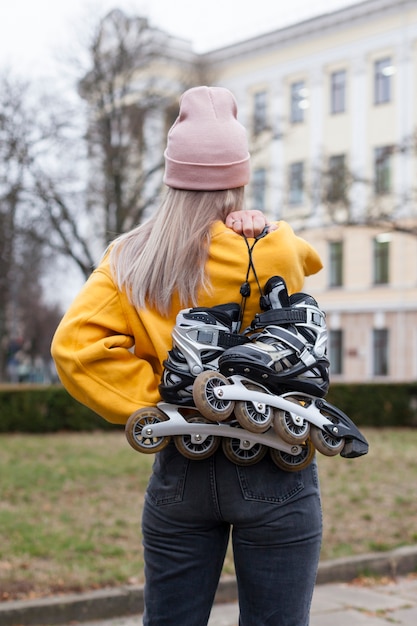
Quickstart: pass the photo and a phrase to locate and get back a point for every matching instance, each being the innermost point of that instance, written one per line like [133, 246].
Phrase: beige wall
[351, 39]
[359, 306]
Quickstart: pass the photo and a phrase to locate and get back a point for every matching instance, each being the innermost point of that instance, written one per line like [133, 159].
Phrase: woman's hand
[248, 223]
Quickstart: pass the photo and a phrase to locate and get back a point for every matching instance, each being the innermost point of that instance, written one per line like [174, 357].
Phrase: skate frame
[236, 391]
[178, 425]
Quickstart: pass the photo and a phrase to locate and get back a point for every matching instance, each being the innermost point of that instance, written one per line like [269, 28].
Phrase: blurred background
[328, 96]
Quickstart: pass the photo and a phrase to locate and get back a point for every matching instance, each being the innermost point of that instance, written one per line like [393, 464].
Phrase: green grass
[70, 507]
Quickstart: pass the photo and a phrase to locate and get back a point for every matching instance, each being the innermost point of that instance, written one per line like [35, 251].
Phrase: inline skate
[200, 337]
[280, 377]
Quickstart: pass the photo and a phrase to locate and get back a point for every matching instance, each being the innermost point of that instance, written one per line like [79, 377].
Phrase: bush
[39, 409]
[377, 404]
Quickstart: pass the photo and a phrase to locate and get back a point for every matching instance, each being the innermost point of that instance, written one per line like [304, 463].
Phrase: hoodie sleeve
[312, 262]
[95, 353]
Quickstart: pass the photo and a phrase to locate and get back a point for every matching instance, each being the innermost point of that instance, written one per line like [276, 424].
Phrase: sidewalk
[340, 604]
[336, 600]
[347, 604]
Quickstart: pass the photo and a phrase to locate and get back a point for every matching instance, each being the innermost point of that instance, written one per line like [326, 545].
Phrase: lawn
[70, 507]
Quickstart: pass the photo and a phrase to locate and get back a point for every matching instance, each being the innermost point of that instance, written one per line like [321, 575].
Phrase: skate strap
[279, 316]
[220, 338]
[306, 356]
[229, 340]
[288, 315]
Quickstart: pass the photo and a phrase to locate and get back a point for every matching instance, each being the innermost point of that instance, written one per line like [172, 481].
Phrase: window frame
[383, 170]
[336, 188]
[336, 347]
[296, 112]
[382, 81]
[380, 351]
[381, 261]
[338, 92]
[259, 188]
[296, 174]
[260, 108]
[336, 258]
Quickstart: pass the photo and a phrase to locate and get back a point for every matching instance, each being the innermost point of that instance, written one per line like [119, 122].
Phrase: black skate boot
[289, 353]
[199, 337]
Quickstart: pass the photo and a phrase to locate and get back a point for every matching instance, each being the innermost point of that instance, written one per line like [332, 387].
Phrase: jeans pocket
[265, 482]
[167, 481]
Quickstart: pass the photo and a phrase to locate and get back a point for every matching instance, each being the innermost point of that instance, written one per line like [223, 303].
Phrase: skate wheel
[191, 448]
[135, 430]
[236, 451]
[293, 462]
[325, 443]
[207, 403]
[289, 426]
[251, 419]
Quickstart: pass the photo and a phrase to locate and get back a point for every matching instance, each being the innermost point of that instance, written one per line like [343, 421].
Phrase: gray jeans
[274, 518]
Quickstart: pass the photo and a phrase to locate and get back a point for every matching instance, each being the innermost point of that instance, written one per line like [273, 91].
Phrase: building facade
[331, 109]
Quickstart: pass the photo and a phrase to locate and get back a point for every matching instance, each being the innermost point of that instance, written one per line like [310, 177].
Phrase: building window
[258, 189]
[382, 169]
[338, 92]
[336, 263]
[380, 352]
[336, 351]
[299, 102]
[381, 259]
[383, 71]
[336, 189]
[296, 183]
[259, 112]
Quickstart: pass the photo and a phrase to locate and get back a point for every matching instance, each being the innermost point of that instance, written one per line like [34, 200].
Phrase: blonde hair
[168, 253]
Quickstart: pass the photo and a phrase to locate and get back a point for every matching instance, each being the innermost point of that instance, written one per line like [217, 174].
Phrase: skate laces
[245, 287]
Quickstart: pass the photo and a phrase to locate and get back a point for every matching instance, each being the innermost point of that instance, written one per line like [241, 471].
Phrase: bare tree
[118, 144]
[129, 105]
[379, 205]
[73, 176]
[13, 161]
[21, 258]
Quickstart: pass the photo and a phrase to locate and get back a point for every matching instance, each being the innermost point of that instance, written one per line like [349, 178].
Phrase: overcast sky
[33, 33]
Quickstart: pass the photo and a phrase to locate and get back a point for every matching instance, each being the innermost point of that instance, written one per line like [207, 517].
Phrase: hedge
[377, 404]
[37, 409]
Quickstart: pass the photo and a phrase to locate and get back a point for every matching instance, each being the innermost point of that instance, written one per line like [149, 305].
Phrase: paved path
[340, 604]
[335, 603]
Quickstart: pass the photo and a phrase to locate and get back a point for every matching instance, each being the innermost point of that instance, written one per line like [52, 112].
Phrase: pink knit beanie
[207, 147]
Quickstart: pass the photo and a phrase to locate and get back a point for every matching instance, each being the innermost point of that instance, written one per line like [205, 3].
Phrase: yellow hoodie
[109, 355]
